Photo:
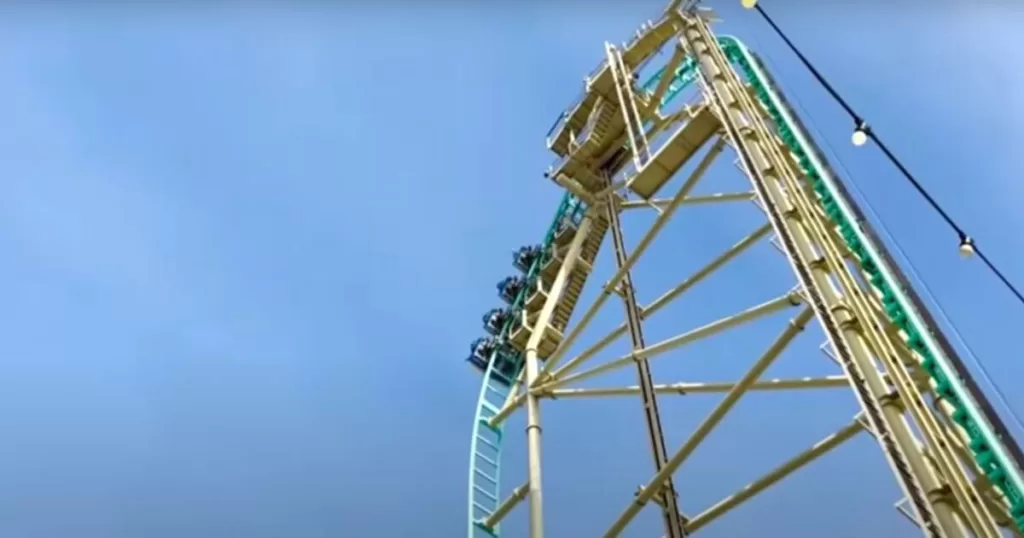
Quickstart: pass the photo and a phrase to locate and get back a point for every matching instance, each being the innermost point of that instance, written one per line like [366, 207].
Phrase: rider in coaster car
[510, 287]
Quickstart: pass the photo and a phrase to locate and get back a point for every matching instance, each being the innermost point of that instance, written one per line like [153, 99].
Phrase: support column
[533, 430]
[670, 500]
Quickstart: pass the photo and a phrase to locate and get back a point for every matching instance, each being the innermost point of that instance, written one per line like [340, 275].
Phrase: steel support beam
[782, 471]
[713, 419]
[560, 378]
[648, 398]
[667, 74]
[507, 505]
[694, 199]
[770, 385]
[533, 429]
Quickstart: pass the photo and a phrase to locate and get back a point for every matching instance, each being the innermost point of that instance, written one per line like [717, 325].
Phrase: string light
[862, 133]
[966, 245]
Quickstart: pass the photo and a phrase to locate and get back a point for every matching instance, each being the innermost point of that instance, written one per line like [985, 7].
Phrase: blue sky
[245, 250]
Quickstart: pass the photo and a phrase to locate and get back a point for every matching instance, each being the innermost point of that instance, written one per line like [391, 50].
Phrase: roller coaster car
[565, 230]
[484, 350]
[523, 258]
[509, 288]
[495, 319]
[480, 351]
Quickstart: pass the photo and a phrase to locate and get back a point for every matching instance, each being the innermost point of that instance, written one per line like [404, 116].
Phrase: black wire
[910, 177]
[862, 126]
[999, 274]
[828, 87]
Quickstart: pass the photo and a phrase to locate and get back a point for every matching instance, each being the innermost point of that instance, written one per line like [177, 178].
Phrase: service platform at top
[600, 145]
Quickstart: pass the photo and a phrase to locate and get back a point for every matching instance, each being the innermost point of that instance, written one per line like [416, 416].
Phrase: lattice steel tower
[958, 469]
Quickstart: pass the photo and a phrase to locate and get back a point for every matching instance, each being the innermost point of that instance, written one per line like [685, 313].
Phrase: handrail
[558, 121]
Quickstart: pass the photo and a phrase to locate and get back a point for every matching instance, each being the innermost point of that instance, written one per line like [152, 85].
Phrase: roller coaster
[617, 147]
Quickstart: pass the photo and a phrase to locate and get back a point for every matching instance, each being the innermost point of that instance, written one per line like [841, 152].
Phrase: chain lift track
[961, 474]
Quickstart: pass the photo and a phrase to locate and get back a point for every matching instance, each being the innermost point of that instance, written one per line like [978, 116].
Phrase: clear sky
[245, 248]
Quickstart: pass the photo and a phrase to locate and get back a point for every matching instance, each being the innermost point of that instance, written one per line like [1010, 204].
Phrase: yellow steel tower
[618, 147]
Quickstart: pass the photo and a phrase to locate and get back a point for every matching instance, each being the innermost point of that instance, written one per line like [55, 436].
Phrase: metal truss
[946, 493]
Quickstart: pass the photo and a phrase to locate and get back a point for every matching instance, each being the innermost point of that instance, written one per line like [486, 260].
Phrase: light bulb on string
[749, 4]
[860, 134]
[966, 246]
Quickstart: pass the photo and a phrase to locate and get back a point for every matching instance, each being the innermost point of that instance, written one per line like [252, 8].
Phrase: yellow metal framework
[618, 148]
